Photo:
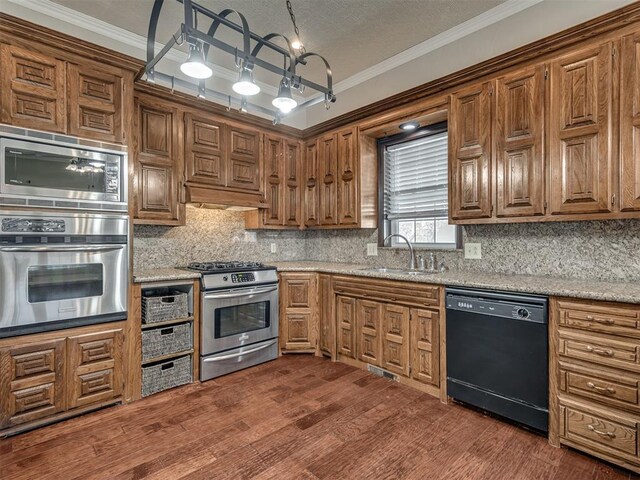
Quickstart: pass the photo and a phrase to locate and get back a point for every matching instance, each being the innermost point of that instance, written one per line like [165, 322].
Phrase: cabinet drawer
[600, 349]
[615, 319]
[619, 390]
[411, 294]
[605, 431]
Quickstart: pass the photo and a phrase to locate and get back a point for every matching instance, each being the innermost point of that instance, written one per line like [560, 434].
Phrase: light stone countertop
[628, 292]
[163, 275]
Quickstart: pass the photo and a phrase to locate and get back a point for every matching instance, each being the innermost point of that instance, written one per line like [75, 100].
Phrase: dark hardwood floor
[299, 417]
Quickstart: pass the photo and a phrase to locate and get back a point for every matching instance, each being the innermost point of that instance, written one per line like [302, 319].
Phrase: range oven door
[47, 287]
[237, 317]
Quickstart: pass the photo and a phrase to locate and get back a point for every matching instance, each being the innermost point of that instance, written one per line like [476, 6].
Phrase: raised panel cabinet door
[293, 181]
[274, 176]
[158, 163]
[368, 326]
[470, 153]
[580, 131]
[31, 382]
[298, 331]
[311, 203]
[630, 124]
[395, 339]
[328, 160]
[425, 346]
[244, 169]
[519, 142]
[95, 368]
[346, 321]
[204, 151]
[326, 317]
[95, 103]
[32, 90]
[298, 290]
[348, 177]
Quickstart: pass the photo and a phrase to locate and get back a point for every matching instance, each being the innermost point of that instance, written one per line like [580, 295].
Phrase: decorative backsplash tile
[606, 250]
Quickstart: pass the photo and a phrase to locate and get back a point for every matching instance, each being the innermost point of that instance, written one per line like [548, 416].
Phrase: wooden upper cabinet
[348, 177]
[630, 124]
[580, 131]
[470, 153]
[32, 384]
[293, 180]
[32, 90]
[158, 163]
[312, 185]
[204, 150]
[519, 142]
[328, 176]
[243, 170]
[95, 98]
[274, 176]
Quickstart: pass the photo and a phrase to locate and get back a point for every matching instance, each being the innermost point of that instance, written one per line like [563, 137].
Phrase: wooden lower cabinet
[368, 328]
[395, 339]
[298, 330]
[425, 346]
[44, 377]
[327, 339]
[346, 325]
[594, 379]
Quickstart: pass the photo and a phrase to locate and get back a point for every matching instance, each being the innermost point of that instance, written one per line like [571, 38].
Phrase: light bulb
[245, 85]
[296, 44]
[284, 102]
[194, 65]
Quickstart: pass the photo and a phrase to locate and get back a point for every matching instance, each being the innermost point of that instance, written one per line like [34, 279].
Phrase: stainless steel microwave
[45, 170]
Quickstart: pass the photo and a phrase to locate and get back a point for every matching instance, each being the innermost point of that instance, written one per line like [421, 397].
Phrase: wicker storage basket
[162, 341]
[161, 306]
[165, 375]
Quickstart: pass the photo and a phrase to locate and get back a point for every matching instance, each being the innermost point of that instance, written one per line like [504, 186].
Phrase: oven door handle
[245, 293]
[62, 249]
[235, 355]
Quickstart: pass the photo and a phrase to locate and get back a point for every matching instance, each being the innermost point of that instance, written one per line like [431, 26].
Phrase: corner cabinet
[51, 376]
[158, 162]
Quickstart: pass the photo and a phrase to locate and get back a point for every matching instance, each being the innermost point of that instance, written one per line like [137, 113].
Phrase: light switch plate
[472, 251]
[274, 248]
[372, 249]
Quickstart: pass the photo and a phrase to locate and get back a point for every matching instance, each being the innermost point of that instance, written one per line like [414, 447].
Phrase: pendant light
[194, 65]
[284, 102]
[245, 85]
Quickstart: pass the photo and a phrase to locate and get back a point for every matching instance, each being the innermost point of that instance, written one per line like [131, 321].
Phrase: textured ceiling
[352, 34]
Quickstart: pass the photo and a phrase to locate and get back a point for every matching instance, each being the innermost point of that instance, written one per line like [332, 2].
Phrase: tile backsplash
[587, 250]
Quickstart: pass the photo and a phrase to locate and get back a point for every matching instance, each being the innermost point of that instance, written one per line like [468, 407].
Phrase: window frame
[384, 225]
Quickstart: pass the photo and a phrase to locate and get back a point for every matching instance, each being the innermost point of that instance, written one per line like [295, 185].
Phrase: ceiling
[352, 35]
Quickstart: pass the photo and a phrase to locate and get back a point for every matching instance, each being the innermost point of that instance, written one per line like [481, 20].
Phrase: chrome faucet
[412, 260]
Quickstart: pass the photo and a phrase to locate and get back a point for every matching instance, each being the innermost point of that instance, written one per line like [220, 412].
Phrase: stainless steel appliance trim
[239, 293]
[242, 352]
[40, 136]
[214, 369]
[97, 248]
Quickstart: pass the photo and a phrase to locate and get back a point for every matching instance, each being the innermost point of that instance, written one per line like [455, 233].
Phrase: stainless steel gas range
[239, 316]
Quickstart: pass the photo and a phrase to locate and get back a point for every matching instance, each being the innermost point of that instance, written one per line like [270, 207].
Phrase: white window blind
[416, 178]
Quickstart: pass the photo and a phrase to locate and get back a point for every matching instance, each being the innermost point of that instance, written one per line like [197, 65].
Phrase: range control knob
[225, 278]
[523, 313]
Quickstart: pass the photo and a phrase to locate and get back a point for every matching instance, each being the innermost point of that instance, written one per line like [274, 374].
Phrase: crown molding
[102, 28]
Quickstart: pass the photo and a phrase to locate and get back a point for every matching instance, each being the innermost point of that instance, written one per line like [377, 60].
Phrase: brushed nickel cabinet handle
[589, 317]
[365, 294]
[600, 351]
[603, 390]
[603, 321]
[600, 432]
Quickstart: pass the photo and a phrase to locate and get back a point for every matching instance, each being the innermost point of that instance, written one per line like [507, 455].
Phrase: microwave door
[48, 284]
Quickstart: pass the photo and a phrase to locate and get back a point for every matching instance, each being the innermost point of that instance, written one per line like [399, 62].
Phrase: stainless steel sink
[402, 271]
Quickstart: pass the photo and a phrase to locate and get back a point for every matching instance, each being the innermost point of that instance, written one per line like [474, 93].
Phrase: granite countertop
[628, 292]
[563, 287]
[163, 275]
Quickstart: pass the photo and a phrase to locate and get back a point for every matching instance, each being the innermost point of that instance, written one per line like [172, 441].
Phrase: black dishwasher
[497, 356]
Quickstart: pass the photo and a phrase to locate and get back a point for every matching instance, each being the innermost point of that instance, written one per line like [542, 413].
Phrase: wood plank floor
[299, 417]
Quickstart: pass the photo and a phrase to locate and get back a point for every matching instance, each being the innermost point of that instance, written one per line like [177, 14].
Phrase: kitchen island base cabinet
[50, 376]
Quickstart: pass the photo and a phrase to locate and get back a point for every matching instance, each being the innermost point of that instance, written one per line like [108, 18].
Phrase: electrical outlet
[372, 249]
[250, 237]
[472, 251]
[274, 248]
